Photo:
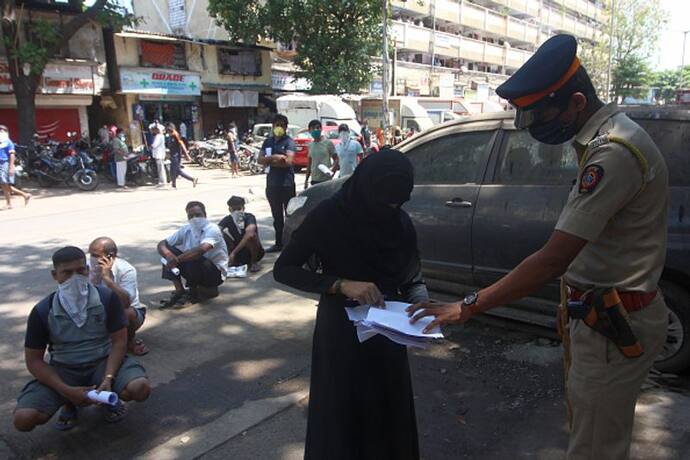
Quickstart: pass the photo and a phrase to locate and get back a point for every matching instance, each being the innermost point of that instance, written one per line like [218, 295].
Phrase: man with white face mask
[348, 151]
[84, 329]
[198, 252]
[241, 235]
[7, 159]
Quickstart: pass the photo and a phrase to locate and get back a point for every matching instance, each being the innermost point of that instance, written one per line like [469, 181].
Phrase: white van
[330, 110]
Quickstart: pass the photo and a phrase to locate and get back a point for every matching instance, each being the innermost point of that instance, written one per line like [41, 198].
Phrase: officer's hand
[363, 292]
[443, 313]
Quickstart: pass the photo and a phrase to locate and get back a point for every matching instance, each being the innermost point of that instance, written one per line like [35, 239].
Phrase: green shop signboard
[159, 81]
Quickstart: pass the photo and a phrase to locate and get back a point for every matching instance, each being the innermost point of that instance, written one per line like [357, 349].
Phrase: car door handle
[458, 203]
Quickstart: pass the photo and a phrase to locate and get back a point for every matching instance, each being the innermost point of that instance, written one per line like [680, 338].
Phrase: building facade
[70, 81]
[459, 48]
[234, 80]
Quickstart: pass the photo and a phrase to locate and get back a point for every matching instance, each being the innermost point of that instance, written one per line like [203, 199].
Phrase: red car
[303, 139]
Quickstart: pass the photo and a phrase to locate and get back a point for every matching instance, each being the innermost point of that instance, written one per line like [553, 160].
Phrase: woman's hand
[363, 292]
[444, 313]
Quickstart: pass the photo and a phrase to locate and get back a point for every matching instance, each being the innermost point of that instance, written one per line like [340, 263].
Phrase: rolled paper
[325, 169]
[103, 397]
[175, 270]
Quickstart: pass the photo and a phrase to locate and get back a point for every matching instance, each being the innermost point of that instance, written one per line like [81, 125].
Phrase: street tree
[334, 41]
[637, 25]
[30, 43]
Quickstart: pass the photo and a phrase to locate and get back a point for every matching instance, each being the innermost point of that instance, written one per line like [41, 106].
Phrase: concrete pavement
[230, 376]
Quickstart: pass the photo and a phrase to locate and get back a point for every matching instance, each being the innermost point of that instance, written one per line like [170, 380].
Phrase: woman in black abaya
[360, 403]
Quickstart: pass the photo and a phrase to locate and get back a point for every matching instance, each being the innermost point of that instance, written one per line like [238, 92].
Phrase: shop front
[243, 105]
[65, 91]
[163, 94]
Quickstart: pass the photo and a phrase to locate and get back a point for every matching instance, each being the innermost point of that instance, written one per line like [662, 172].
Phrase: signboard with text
[159, 81]
[56, 79]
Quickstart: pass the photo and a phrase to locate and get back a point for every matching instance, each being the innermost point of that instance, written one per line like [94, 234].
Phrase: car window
[451, 159]
[411, 124]
[525, 161]
[673, 138]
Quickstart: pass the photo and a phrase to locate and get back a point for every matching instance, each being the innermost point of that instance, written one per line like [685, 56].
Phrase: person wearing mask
[608, 247]
[277, 153]
[84, 330]
[197, 253]
[174, 144]
[241, 234]
[157, 124]
[107, 269]
[158, 154]
[361, 397]
[104, 134]
[120, 154]
[7, 164]
[234, 161]
[322, 158]
[348, 151]
[366, 135]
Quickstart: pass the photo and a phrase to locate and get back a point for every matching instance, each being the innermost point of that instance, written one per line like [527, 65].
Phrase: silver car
[487, 195]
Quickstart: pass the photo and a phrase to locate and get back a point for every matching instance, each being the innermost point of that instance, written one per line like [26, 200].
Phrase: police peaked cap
[551, 67]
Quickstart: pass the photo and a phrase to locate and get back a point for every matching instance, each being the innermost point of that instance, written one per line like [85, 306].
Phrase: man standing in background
[277, 153]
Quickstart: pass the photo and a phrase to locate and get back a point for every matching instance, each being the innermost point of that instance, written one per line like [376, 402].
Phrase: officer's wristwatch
[470, 301]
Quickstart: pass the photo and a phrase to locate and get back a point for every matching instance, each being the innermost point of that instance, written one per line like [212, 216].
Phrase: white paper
[325, 169]
[103, 397]
[268, 151]
[392, 322]
[401, 323]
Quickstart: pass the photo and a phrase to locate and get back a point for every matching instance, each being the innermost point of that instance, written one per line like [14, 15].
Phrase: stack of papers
[393, 323]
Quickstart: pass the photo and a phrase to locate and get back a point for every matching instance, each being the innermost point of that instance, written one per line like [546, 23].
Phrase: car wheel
[675, 356]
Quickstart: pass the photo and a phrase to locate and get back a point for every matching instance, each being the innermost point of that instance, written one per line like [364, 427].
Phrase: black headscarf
[371, 200]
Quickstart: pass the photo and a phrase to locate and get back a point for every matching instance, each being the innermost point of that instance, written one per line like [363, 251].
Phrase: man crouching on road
[241, 235]
[197, 253]
[85, 331]
[107, 269]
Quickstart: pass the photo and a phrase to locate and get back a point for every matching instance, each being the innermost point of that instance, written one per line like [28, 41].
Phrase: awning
[238, 86]
[237, 98]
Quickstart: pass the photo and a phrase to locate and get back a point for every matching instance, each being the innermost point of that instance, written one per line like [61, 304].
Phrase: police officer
[611, 234]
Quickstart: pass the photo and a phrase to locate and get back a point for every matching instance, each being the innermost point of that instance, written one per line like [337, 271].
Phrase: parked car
[303, 139]
[487, 195]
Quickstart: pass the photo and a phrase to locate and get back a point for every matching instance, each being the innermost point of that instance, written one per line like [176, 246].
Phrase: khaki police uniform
[619, 205]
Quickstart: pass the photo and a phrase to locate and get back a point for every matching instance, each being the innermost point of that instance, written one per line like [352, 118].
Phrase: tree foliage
[668, 82]
[637, 25]
[334, 40]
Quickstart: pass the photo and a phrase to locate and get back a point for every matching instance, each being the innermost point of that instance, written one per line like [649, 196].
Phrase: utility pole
[682, 60]
[384, 83]
[608, 73]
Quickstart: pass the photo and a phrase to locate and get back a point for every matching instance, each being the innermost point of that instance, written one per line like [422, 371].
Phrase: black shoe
[275, 248]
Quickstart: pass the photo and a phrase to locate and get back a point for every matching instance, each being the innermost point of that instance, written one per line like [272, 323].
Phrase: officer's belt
[632, 300]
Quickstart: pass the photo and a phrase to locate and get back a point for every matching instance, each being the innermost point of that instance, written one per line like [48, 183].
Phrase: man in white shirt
[349, 150]
[197, 253]
[158, 154]
[183, 131]
[109, 270]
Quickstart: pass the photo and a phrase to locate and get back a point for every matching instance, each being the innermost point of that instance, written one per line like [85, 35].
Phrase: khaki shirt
[625, 224]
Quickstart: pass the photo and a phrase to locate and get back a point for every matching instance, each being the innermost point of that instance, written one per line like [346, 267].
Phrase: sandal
[67, 418]
[177, 297]
[113, 414]
[139, 348]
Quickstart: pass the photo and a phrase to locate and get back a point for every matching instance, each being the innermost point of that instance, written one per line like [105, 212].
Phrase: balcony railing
[484, 19]
[416, 38]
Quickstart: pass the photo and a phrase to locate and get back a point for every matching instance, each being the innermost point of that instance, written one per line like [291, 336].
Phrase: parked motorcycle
[248, 156]
[210, 153]
[73, 170]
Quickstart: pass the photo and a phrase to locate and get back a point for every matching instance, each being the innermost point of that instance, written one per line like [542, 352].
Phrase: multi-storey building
[71, 82]
[180, 66]
[450, 47]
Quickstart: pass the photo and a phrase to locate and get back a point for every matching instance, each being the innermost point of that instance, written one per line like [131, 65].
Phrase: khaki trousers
[603, 385]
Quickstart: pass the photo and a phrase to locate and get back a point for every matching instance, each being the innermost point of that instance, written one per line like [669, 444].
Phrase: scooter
[73, 170]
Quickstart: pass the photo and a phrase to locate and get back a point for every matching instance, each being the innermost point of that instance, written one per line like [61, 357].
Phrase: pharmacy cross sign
[159, 81]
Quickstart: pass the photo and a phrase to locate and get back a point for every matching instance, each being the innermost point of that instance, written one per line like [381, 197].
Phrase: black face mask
[553, 132]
